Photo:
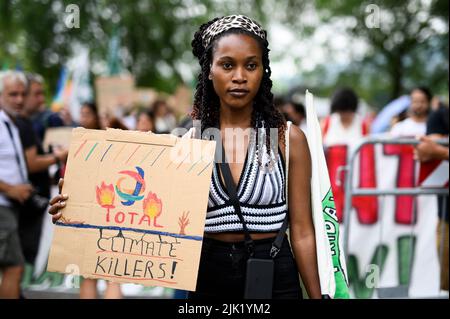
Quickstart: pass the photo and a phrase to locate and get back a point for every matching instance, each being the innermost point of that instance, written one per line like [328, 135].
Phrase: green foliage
[154, 35]
[155, 38]
[405, 49]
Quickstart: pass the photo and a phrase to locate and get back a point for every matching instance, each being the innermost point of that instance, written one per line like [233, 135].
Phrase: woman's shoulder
[296, 136]
[297, 142]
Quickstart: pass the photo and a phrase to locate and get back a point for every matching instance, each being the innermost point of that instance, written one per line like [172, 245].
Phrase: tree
[155, 36]
[408, 41]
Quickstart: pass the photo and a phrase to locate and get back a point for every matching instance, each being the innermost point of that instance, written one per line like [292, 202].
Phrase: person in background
[437, 102]
[90, 119]
[278, 102]
[129, 119]
[38, 163]
[145, 121]
[66, 117]
[344, 126]
[417, 114]
[165, 120]
[41, 117]
[427, 150]
[341, 130]
[109, 121]
[295, 112]
[186, 121]
[14, 186]
[398, 118]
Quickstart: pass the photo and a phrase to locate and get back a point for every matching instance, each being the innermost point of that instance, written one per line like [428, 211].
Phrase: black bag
[35, 205]
[259, 272]
[259, 278]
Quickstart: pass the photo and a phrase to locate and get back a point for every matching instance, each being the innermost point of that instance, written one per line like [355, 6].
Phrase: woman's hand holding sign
[57, 203]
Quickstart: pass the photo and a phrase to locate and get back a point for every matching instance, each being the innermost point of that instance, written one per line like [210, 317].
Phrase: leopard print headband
[230, 22]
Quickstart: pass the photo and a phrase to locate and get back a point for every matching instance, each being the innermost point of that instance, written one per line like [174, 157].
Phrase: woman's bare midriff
[235, 237]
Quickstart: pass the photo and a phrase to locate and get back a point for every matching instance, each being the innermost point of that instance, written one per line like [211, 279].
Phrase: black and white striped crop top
[261, 194]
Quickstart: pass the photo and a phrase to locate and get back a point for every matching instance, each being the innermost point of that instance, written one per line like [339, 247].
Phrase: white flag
[330, 256]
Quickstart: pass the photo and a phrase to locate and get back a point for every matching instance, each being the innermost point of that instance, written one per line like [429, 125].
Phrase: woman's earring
[210, 76]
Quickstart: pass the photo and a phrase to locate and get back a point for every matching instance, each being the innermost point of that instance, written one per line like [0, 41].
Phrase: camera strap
[231, 187]
[16, 153]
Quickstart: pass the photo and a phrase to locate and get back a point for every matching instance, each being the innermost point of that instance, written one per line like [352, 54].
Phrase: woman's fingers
[55, 199]
[55, 208]
[57, 203]
[56, 217]
[60, 184]
[58, 198]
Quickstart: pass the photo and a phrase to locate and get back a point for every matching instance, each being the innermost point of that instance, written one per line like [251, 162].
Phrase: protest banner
[181, 100]
[57, 137]
[392, 241]
[114, 94]
[136, 209]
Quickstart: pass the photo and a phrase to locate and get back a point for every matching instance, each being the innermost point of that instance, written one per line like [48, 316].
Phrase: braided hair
[206, 107]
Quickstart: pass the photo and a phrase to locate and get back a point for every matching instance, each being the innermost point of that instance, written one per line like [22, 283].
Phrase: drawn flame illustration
[152, 205]
[105, 195]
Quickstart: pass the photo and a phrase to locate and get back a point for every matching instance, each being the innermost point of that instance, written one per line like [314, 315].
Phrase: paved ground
[59, 293]
[67, 295]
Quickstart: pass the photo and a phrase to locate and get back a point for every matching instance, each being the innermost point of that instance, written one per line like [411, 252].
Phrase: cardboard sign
[114, 94]
[136, 209]
[181, 101]
[57, 137]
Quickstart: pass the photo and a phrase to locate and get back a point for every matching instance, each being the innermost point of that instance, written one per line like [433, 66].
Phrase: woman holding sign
[245, 251]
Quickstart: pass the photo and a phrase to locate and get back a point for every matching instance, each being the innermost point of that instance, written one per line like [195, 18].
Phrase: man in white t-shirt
[14, 186]
[416, 123]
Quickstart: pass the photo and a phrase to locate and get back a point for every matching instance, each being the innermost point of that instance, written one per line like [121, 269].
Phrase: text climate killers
[147, 256]
[125, 251]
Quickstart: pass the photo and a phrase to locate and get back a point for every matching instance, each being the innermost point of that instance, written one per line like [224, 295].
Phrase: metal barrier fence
[350, 191]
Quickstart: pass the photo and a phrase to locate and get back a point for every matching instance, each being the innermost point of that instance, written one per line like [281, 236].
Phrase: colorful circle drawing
[130, 196]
